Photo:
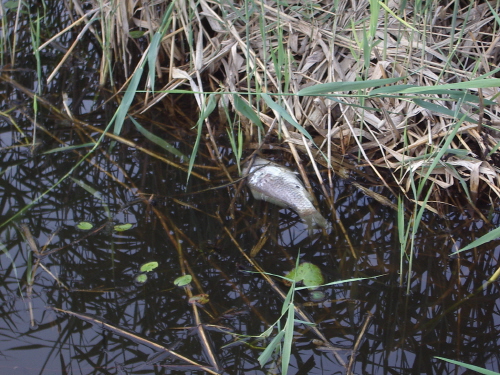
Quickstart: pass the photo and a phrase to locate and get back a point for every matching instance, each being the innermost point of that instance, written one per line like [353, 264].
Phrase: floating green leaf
[141, 278]
[148, 267]
[183, 280]
[317, 295]
[122, 227]
[307, 273]
[84, 225]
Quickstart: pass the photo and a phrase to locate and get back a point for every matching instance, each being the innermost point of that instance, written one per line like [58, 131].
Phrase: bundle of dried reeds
[404, 87]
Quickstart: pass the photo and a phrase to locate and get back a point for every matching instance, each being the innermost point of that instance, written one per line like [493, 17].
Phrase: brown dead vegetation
[248, 48]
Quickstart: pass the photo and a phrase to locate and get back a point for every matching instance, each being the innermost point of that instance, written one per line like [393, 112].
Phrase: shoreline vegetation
[407, 90]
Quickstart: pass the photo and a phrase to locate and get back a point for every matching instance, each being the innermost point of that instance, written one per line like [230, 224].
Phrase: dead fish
[274, 183]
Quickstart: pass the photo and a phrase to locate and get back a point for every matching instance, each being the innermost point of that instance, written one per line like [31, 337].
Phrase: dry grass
[242, 49]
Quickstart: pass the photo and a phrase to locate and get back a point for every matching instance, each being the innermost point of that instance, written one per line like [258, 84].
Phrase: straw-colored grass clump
[404, 87]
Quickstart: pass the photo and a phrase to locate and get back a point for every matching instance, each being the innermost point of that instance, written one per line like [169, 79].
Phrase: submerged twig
[364, 327]
[134, 337]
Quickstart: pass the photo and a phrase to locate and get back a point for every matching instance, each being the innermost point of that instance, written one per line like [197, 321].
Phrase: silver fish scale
[279, 185]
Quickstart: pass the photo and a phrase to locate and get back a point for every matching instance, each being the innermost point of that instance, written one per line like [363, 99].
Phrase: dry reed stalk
[264, 47]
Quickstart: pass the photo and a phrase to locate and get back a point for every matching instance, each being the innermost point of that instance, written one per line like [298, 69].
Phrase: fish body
[274, 183]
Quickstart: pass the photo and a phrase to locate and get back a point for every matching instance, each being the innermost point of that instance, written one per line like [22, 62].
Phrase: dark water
[192, 228]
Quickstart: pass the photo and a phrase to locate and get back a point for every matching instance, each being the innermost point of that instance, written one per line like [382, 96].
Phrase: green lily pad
[148, 267]
[84, 225]
[141, 278]
[307, 273]
[183, 280]
[122, 227]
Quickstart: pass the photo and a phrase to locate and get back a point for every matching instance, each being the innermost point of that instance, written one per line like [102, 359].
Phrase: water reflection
[94, 274]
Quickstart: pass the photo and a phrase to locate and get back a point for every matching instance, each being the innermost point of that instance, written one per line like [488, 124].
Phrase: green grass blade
[95, 193]
[288, 299]
[493, 235]
[308, 324]
[203, 116]
[420, 212]
[495, 14]
[325, 88]
[155, 42]
[473, 84]
[68, 148]
[388, 10]
[152, 56]
[285, 115]
[122, 110]
[288, 339]
[367, 49]
[401, 222]
[440, 109]
[454, 94]
[374, 15]
[266, 354]
[470, 367]
[466, 97]
[13, 263]
[390, 89]
[442, 151]
[157, 140]
[247, 111]
[340, 282]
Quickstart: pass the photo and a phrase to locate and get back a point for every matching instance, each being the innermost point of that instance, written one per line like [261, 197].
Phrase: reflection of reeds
[134, 337]
[32, 267]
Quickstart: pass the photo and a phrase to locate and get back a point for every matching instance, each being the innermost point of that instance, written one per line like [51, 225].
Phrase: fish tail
[315, 219]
